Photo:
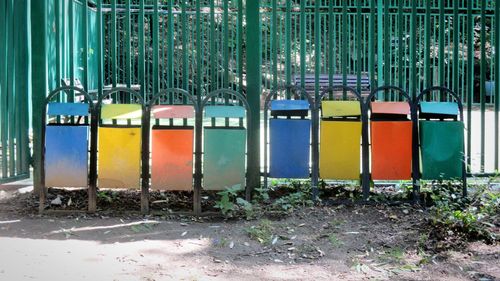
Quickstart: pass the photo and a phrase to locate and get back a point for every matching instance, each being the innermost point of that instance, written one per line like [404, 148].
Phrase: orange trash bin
[391, 141]
[172, 150]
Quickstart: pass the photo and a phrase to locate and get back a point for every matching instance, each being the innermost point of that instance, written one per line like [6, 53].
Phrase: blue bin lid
[443, 108]
[69, 109]
[289, 105]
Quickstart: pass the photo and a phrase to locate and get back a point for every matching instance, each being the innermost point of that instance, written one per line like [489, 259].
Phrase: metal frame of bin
[362, 118]
[144, 163]
[91, 169]
[199, 146]
[367, 144]
[147, 124]
[417, 144]
[297, 93]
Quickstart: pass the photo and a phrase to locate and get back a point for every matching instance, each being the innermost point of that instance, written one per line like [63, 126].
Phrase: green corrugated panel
[442, 146]
[224, 158]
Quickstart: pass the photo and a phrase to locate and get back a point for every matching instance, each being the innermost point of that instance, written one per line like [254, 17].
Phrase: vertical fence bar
[16, 90]
[387, 42]
[401, 45]
[497, 81]
[274, 42]
[288, 43]
[84, 30]
[25, 150]
[4, 29]
[142, 73]
[113, 52]
[303, 38]
[358, 45]
[225, 49]
[427, 43]
[441, 72]
[198, 167]
[10, 85]
[240, 44]
[253, 94]
[170, 45]
[185, 58]
[371, 44]
[413, 50]
[380, 40]
[71, 24]
[128, 43]
[456, 49]
[317, 49]
[470, 80]
[345, 45]
[58, 30]
[213, 49]
[483, 82]
[331, 49]
[156, 48]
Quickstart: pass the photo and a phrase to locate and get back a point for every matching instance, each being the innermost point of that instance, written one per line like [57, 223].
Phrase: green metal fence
[205, 45]
[14, 90]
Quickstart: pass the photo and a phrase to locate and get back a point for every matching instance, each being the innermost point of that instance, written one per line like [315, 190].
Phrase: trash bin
[391, 137]
[441, 137]
[289, 139]
[66, 142]
[119, 142]
[172, 146]
[224, 148]
[340, 140]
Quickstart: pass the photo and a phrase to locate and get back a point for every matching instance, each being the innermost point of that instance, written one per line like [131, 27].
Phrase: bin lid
[340, 108]
[121, 111]
[69, 109]
[396, 108]
[439, 108]
[289, 107]
[225, 111]
[172, 111]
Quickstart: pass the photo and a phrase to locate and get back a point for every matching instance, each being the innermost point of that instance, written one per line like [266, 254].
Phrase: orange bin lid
[173, 111]
[400, 108]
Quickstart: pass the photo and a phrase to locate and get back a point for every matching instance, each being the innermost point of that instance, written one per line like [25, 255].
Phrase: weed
[470, 217]
[334, 240]
[394, 255]
[262, 232]
[231, 204]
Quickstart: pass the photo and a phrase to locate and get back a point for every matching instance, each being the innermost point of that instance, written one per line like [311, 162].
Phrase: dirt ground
[316, 243]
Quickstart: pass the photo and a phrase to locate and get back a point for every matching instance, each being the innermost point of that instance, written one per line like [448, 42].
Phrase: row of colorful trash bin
[364, 139]
[353, 139]
[126, 152]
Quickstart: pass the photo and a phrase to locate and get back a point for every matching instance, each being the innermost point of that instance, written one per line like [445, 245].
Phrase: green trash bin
[441, 138]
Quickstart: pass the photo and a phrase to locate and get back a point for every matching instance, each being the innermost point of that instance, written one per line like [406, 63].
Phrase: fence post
[39, 81]
[253, 94]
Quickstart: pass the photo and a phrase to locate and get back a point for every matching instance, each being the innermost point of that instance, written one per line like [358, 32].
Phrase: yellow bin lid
[340, 108]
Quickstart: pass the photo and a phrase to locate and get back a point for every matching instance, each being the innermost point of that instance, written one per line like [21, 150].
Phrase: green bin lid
[224, 111]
